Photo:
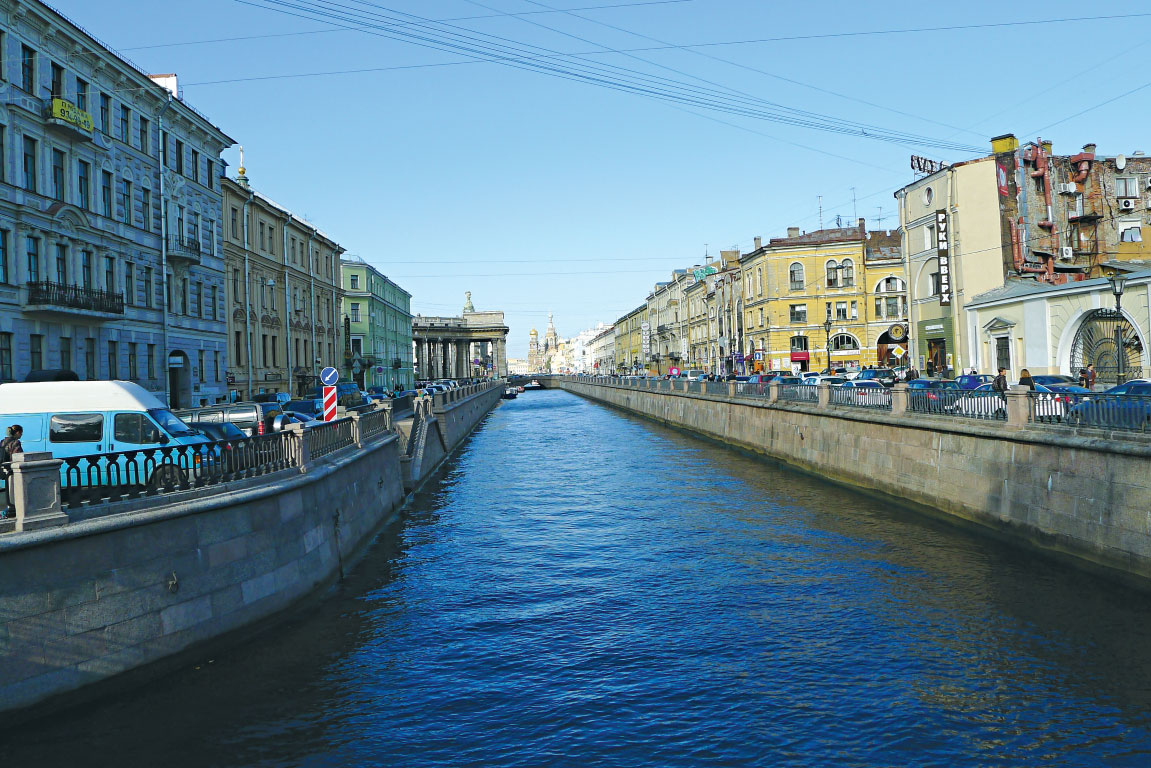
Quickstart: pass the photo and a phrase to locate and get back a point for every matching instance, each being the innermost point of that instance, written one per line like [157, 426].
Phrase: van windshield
[169, 423]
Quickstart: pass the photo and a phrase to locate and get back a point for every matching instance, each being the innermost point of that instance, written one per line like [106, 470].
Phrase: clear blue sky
[538, 193]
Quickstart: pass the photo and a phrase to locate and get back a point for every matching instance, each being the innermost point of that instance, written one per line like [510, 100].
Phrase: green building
[378, 325]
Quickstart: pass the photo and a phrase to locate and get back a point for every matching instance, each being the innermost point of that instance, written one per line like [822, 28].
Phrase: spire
[241, 172]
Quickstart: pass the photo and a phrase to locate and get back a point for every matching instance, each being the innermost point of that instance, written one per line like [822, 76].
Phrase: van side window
[211, 417]
[76, 428]
[135, 429]
[243, 414]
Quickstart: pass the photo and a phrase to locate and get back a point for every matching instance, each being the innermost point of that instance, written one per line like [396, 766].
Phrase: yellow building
[629, 356]
[832, 296]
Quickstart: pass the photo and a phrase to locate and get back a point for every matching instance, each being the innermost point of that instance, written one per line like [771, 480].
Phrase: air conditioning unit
[1149, 182]
[1069, 189]
[1127, 204]
[1067, 252]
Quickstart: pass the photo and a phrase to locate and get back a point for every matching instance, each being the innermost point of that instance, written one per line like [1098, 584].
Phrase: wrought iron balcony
[186, 248]
[46, 296]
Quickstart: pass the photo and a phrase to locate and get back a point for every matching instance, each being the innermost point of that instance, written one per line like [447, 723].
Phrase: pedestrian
[1090, 384]
[999, 383]
[1025, 379]
[9, 445]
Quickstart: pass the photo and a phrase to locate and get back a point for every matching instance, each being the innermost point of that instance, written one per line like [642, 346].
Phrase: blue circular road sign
[329, 376]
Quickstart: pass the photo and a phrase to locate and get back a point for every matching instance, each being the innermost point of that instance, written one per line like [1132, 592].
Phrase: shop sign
[67, 112]
[800, 356]
[897, 332]
[943, 253]
[923, 165]
[1001, 179]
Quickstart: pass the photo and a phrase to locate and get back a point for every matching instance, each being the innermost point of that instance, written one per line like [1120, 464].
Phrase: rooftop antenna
[854, 210]
[880, 218]
[706, 255]
[838, 221]
[820, 199]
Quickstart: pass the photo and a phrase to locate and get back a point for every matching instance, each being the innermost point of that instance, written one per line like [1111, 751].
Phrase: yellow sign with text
[69, 113]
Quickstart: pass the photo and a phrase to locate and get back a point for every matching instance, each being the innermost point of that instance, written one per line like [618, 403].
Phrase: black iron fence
[958, 402]
[1122, 412]
[329, 438]
[861, 397]
[47, 293]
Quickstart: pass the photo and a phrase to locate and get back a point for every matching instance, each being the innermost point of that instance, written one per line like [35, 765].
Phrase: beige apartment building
[284, 296]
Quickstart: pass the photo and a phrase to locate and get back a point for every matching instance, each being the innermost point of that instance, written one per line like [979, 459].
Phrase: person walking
[9, 445]
[1090, 377]
[999, 383]
[1025, 379]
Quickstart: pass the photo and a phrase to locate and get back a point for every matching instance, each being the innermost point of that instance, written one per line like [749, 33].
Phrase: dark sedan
[1123, 407]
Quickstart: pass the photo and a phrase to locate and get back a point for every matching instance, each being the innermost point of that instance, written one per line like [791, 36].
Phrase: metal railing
[861, 397]
[329, 438]
[1122, 412]
[718, 388]
[804, 393]
[75, 297]
[752, 389]
[108, 477]
[967, 403]
[374, 423]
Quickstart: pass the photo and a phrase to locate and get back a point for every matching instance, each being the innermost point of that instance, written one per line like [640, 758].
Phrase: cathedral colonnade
[455, 358]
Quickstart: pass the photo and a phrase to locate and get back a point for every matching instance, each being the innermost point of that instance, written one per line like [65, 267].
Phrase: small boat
[535, 384]
[510, 393]
[520, 390]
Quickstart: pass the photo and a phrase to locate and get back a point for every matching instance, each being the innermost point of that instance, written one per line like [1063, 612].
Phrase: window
[166, 156]
[82, 94]
[195, 165]
[113, 361]
[798, 343]
[3, 146]
[1002, 352]
[841, 310]
[936, 286]
[179, 157]
[89, 359]
[842, 342]
[798, 313]
[109, 274]
[61, 264]
[126, 199]
[1130, 231]
[355, 312]
[30, 165]
[76, 428]
[151, 361]
[216, 364]
[238, 359]
[146, 209]
[235, 285]
[293, 250]
[84, 184]
[66, 353]
[198, 295]
[4, 257]
[57, 81]
[200, 365]
[130, 282]
[262, 246]
[210, 175]
[134, 429]
[184, 309]
[761, 318]
[1126, 186]
[832, 269]
[106, 193]
[145, 130]
[105, 113]
[5, 357]
[133, 372]
[212, 302]
[271, 240]
[847, 273]
[36, 351]
[57, 174]
[355, 282]
[854, 310]
[929, 237]
[235, 224]
[264, 349]
[33, 260]
[125, 123]
[28, 69]
[148, 287]
[796, 277]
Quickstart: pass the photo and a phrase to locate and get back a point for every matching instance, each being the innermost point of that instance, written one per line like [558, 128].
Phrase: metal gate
[1108, 340]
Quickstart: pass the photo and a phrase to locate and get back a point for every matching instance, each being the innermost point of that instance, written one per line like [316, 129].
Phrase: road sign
[329, 403]
[329, 376]
[673, 372]
[898, 351]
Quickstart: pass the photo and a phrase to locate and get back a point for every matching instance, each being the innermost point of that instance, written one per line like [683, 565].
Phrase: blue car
[1127, 406]
[974, 380]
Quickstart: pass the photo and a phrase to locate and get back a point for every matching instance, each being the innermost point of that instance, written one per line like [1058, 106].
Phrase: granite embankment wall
[136, 591]
[1062, 491]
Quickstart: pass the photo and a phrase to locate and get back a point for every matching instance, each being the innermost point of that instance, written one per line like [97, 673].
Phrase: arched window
[843, 342]
[889, 285]
[832, 273]
[798, 343]
[796, 276]
[847, 273]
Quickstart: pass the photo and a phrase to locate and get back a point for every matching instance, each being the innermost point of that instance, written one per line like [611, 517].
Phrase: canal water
[583, 588]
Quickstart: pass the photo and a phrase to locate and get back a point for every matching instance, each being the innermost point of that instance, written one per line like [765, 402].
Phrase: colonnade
[453, 358]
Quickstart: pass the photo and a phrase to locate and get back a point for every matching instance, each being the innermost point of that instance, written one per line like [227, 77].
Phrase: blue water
[582, 588]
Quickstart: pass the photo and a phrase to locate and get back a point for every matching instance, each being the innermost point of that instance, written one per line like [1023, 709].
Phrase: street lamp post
[1117, 280]
[827, 331]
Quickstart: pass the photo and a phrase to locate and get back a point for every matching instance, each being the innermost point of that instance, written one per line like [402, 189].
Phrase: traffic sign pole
[329, 403]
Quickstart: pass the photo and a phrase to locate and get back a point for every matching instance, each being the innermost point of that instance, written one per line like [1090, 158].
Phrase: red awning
[749, 356]
[799, 357]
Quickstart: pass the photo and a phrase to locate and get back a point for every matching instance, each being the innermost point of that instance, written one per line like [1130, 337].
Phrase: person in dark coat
[9, 445]
[1025, 379]
[999, 383]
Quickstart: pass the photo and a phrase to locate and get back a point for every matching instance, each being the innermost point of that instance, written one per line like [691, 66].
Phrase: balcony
[184, 249]
[68, 119]
[56, 298]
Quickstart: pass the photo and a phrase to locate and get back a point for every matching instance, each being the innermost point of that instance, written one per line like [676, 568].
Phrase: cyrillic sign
[67, 112]
[943, 253]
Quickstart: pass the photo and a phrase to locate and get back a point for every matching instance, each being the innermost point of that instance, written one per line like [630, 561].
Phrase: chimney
[758, 242]
[1089, 148]
[1046, 146]
[793, 231]
[1005, 143]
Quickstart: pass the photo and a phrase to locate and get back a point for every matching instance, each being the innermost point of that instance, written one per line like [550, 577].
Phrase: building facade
[110, 251]
[829, 298]
[380, 327]
[473, 345]
[283, 296]
[601, 351]
[628, 342]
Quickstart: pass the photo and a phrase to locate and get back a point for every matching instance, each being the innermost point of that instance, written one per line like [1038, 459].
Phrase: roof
[75, 396]
[1017, 288]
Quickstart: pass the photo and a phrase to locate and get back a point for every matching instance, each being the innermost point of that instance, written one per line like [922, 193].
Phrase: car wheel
[167, 477]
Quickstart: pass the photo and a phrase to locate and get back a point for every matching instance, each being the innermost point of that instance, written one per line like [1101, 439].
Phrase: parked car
[347, 394]
[884, 376]
[272, 397]
[217, 431]
[311, 409]
[868, 390]
[974, 380]
[82, 418]
[252, 418]
[929, 395]
[1047, 379]
[1129, 408]
[1126, 387]
[51, 374]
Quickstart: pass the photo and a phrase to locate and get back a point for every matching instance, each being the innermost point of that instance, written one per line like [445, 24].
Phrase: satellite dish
[1120, 162]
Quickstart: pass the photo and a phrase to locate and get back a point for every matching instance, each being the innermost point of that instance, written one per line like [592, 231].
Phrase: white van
[81, 418]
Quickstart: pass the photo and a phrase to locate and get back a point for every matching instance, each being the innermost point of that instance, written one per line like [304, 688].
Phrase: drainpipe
[163, 247]
[312, 306]
[248, 288]
[287, 307]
